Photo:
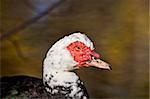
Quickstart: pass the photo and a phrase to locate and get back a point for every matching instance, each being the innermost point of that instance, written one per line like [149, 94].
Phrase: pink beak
[96, 62]
[99, 64]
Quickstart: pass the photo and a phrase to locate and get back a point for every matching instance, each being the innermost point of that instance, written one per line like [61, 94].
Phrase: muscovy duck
[59, 80]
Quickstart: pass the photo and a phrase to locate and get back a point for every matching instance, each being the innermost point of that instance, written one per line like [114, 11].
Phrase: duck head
[72, 52]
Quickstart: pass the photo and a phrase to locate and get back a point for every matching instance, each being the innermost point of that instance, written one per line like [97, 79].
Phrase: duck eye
[77, 47]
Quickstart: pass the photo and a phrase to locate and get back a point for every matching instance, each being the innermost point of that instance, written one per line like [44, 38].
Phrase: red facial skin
[81, 53]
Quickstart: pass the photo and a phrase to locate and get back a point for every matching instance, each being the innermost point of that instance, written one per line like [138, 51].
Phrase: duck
[59, 79]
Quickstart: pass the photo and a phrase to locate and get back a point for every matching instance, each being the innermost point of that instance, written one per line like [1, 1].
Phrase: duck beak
[99, 64]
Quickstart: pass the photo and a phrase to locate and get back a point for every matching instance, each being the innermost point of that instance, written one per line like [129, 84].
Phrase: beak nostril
[94, 58]
[98, 61]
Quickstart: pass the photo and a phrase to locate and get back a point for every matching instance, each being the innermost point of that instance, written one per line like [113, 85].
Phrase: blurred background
[118, 28]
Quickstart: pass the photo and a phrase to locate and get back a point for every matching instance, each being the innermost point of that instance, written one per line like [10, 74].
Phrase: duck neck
[57, 81]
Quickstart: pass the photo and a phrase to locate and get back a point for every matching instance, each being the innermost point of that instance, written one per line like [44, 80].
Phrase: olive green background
[118, 28]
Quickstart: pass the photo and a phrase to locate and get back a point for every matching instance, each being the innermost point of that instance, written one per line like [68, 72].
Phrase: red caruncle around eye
[80, 51]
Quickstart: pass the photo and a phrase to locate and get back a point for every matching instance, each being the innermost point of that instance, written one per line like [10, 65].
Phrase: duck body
[27, 87]
[22, 87]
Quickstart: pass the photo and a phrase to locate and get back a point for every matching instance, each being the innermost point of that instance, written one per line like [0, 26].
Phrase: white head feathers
[59, 58]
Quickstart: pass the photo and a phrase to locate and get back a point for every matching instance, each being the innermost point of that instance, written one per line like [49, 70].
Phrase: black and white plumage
[25, 87]
[59, 82]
